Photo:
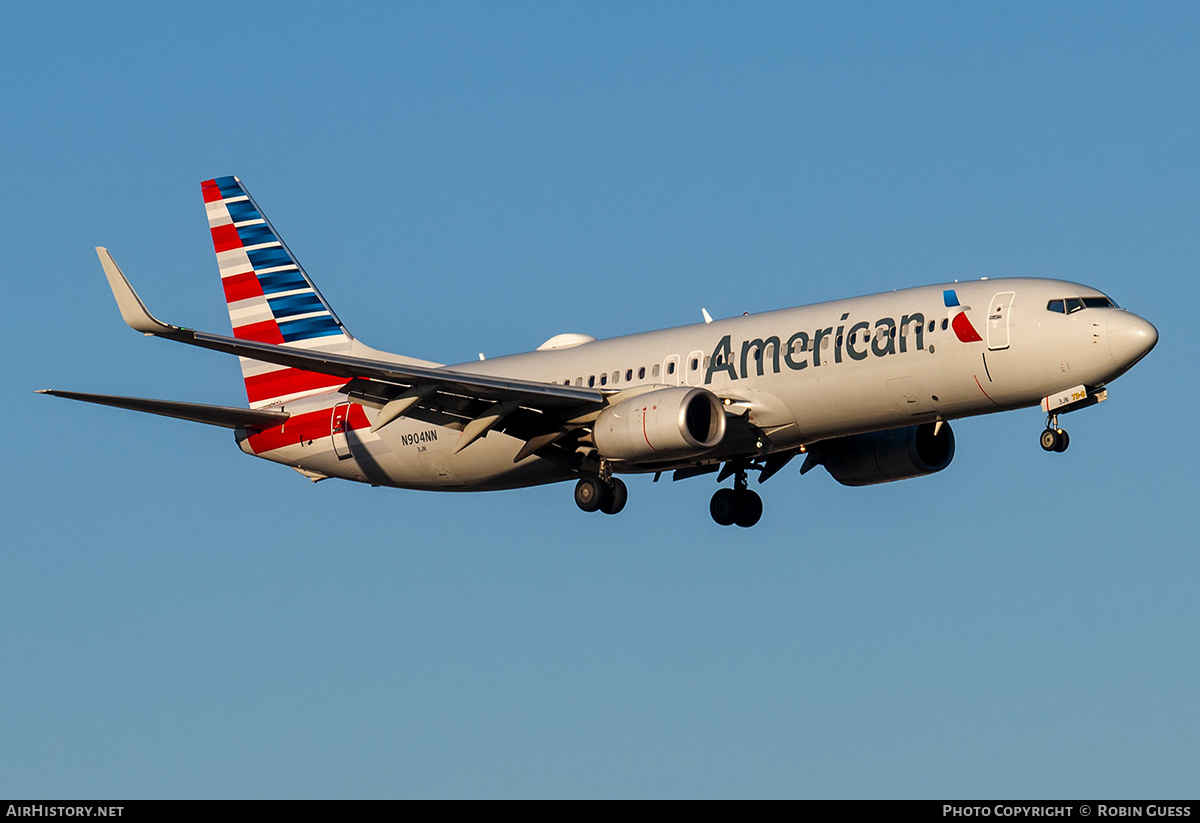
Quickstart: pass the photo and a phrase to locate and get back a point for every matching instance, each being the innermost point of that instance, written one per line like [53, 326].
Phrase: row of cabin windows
[694, 363]
[615, 377]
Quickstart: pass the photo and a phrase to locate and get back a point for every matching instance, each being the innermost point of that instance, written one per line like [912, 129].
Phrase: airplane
[864, 387]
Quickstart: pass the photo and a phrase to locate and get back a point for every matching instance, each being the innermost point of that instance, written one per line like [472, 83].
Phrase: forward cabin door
[997, 320]
[339, 424]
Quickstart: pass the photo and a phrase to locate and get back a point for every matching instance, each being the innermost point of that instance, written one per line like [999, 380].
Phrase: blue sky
[180, 620]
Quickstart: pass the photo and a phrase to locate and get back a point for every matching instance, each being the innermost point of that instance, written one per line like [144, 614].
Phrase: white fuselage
[799, 375]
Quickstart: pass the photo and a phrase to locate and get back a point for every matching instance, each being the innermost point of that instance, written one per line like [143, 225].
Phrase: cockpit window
[1070, 305]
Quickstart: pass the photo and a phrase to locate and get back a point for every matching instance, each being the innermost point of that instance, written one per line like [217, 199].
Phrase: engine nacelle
[663, 424]
[881, 457]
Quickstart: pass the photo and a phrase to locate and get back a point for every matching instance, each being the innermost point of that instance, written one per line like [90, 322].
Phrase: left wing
[472, 403]
[544, 395]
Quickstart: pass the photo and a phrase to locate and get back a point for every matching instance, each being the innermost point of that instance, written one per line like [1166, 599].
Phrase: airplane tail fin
[270, 297]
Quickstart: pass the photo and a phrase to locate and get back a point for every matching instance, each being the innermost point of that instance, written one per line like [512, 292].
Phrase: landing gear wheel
[723, 507]
[1055, 440]
[615, 498]
[590, 493]
[749, 508]
[740, 506]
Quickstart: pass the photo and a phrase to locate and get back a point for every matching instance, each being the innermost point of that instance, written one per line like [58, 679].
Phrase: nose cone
[1130, 338]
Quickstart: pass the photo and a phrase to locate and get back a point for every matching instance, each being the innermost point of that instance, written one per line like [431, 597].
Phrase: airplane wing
[473, 403]
[543, 395]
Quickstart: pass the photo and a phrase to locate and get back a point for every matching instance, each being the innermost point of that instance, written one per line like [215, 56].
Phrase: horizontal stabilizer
[229, 417]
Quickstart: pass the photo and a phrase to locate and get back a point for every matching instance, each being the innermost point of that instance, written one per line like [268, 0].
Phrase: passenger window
[616, 377]
[671, 367]
[591, 381]
[932, 326]
[654, 371]
[604, 380]
[758, 354]
[707, 360]
[1056, 305]
[578, 381]
[945, 323]
[641, 372]
[824, 342]
[695, 363]
[629, 375]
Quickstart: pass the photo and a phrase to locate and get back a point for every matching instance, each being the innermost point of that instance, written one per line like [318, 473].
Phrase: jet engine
[663, 424]
[881, 457]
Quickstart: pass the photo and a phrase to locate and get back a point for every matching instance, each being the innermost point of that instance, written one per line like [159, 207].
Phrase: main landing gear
[1053, 438]
[592, 494]
[738, 505]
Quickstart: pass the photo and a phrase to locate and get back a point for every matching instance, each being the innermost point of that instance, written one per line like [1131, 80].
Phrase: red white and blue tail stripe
[270, 298]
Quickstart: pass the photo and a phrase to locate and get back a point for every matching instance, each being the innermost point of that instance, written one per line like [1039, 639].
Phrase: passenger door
[339, 425]
[997, 320]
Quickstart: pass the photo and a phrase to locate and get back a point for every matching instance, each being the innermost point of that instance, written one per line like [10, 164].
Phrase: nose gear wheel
[1053, 438]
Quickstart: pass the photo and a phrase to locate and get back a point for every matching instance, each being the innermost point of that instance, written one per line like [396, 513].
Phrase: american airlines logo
[879, 339]
[801, 349]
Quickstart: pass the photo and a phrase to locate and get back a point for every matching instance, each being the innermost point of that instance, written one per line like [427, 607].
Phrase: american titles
[862, 339]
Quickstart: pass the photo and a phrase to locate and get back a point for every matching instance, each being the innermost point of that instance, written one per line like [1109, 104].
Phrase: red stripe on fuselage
[304, 427]
[985, 394]
[280, 383]
[225, 238]
[241, 286]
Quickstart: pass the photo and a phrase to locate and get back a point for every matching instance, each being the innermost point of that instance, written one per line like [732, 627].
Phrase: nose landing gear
[738, 505]
[1053, 438]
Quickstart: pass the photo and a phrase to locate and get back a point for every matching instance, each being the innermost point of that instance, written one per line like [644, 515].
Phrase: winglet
[133, 310]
